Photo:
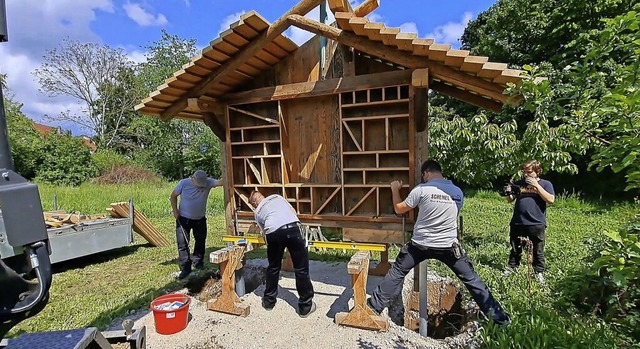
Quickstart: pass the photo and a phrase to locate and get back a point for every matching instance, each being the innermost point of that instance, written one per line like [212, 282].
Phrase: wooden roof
[473, 79]
[219, 51]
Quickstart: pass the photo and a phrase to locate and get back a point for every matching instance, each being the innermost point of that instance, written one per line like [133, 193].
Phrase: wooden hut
[329, 124]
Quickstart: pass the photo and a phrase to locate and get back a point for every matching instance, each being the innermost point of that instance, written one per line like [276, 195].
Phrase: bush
[65, 161]
[106, 160]
[127, 174]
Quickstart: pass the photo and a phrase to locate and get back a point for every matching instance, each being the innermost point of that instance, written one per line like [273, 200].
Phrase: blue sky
[36, 26]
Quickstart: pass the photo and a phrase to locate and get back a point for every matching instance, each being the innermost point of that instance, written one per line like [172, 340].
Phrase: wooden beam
[465, 96]
[205, 104]
[419, 98]
[339, 6]
[215, 125]
[366, 7]
[320, 88]
[275, 29]
[379, 50]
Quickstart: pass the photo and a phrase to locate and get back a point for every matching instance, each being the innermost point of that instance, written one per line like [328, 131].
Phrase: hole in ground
[207, 285]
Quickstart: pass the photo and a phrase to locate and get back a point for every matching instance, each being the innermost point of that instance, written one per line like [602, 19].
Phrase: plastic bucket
[170, 321]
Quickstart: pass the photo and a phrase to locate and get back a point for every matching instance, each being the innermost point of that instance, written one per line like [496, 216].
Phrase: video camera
[510, 189]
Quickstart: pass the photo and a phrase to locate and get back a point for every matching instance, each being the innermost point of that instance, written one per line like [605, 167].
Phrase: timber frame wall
[332, 156]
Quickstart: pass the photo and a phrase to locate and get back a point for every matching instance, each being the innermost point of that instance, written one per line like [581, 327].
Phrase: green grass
[92, 291]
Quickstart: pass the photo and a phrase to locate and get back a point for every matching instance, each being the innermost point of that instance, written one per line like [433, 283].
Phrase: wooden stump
[361, 316]
[229, 259]
[287, 265]
[383, 267]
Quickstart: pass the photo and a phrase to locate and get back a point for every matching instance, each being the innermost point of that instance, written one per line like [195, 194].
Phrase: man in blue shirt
[190, 215]
[279, 223]
[530, 217]
[434, 237]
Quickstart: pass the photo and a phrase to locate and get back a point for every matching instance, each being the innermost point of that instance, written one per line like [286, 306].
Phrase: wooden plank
[438, 52]
[342, 18]
[214, 124]
[279, 26]
[357, 24]
[339, 6]
[421, 46]
[404, 41]
[326, 202]
[319, 88]
[455, 58]
[491, 70]
[366, 7]
[509, 75]
[473, 64]
[269, 120]
[364, 197]
[353, 137]
[465, 96]
[389, 35]
[373, 235]
[372, 31]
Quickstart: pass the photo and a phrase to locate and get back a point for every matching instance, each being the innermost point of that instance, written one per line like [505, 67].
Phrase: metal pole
[323, 40]
[422, 286]
[55, 201]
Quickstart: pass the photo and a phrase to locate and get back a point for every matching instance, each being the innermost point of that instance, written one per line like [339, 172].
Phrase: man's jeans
[537, 236]
[410, 256]
[291, 239]
[199, 228]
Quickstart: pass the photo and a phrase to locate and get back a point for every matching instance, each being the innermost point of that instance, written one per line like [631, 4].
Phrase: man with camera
[531, 195]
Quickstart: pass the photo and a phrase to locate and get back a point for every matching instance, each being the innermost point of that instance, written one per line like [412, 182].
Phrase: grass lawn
[94, 290]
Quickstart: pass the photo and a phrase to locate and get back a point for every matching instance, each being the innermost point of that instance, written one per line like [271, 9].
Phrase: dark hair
[431, 166]
[534, 165]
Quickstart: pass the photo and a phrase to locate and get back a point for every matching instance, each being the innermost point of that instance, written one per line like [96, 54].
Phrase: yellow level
[339, 245]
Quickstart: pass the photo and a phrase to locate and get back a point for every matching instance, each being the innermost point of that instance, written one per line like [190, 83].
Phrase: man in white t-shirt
[434, 237]
[279, 223]
[190, 216]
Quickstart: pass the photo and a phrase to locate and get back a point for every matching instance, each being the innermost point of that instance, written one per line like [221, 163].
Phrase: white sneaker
[540, 279]
[508, 271]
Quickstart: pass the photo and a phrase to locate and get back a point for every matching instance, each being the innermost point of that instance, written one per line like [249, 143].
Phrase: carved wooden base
[229, 258]
[361, 316]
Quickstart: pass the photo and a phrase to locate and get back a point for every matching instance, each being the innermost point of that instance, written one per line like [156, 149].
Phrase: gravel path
[282, 327]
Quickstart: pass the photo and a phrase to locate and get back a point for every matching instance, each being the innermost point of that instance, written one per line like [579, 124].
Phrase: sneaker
[266, 306]
[540, 278]
[313, 308]
[508, 271]
[184, 274]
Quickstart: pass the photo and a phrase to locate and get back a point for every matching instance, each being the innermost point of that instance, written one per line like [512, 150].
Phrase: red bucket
[171, 320]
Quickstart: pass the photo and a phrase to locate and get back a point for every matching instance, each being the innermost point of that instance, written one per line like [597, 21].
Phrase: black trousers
[291, 239]
[199, 228]
[537, 235]
[410, 256]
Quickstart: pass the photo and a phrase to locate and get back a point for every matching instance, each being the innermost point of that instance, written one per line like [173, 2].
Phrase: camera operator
[529, 216]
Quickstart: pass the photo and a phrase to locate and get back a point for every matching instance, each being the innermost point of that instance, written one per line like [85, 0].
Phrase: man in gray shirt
[190, 215]
[434, 237]
[279, 224]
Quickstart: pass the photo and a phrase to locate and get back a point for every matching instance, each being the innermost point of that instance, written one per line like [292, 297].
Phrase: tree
[25, 142]
[89, 73]
[65, 160]
[550, 34]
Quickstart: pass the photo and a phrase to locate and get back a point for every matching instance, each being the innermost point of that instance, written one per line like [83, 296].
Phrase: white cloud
[230, 19]
[409, 27]
[34, 27]
[451, 32]
[142, 17]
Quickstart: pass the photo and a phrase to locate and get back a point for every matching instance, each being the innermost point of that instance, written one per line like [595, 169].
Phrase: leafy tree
[25, 142]
[479, 147]
[89, 73]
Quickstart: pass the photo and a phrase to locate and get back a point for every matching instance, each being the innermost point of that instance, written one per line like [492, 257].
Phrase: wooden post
[383, 267]
[361, 316]
[287, 265]
[228, 302]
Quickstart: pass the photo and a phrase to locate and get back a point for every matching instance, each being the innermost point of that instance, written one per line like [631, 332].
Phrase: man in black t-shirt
[530, 216]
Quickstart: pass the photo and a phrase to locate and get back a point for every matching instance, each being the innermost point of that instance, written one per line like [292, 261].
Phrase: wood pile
[141, 224]
[56, 219]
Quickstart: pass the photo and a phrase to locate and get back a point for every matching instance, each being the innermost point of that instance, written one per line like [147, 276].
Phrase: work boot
[267, 306]
[184, 274]
[313, 308]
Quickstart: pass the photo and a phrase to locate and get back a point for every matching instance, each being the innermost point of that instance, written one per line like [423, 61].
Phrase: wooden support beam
[465, 96]
[229, 258]
[215, 125]
[275, 29]
[205, 104]
[339, 6]
[320, 88]
[366, 7]
[419, 98]
[379, 50]
[361, 316]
